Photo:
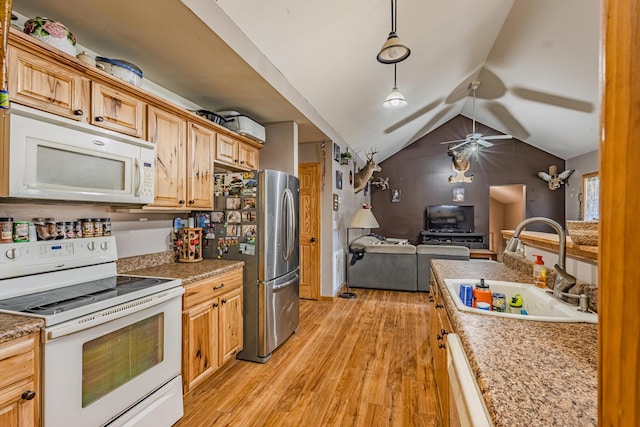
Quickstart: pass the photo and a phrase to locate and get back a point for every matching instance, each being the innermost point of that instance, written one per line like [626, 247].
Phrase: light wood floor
[361, 362]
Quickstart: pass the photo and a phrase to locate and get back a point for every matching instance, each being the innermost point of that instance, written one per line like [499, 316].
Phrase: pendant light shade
[395, 100]
[393, 50]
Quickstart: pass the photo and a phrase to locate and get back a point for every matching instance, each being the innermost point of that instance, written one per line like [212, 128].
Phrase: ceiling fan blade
[484, 143]
[454, 141]
[497, 137]
[459, 145]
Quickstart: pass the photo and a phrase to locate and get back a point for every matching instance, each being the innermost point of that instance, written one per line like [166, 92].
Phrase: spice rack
[189, 244]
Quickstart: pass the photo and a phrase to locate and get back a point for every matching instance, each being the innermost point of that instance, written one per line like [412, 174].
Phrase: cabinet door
[202, 142]
[19, 392]
[230, 325]
[40, 83]
[227, 150]
[169, 134]
[248, 156]
[117, 111]
[200, 343]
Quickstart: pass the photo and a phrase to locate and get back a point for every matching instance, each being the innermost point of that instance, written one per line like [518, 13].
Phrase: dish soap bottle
[481, 293]
[539, 272]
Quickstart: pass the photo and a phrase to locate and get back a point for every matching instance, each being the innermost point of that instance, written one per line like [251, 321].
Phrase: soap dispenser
[539, 272]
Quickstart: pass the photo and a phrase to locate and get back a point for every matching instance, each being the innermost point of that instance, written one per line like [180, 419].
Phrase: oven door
[98, 367]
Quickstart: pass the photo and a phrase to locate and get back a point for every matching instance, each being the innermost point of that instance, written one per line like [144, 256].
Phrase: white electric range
[111, 350]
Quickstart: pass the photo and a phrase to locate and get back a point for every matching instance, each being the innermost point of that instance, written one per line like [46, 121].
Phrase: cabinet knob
[439, 337]
[439, 305]
[313, 240]
[235, 160]
[444, 332]
[99, 119]
[28, 395]
[215, 288]
[442, 345]
[181, 202]
[214, 305]
[78, 112]
[191, 202]
[224, 301]
[242, 162]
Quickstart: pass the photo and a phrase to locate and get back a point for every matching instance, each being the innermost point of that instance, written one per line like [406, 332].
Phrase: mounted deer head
[364, 175]
[460, 164]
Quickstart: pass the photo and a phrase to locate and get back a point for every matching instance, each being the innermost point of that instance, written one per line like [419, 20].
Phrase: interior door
[309, 175]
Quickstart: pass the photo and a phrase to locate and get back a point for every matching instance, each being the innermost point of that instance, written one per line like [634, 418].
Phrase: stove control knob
[104, 246]
[13, 253]
[91, 246]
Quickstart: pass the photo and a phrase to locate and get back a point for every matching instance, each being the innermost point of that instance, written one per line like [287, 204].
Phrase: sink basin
[540, 305]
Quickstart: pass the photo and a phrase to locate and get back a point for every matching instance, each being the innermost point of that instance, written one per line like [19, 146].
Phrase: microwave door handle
[140, 177]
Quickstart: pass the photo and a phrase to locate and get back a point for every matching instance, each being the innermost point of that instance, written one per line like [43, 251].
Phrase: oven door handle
[110, 314]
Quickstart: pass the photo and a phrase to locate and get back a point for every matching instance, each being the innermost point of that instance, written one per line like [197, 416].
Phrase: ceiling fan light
[395, 100]
[393, 50]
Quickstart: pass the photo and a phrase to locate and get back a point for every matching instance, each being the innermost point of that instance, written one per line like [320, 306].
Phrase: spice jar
[106, 226]
[77, 229]
[21, 231]
[69, 231]
[60, 231]
[87, 227]
[41, 229]
[6, 230]
[97, 227]
[52, 228]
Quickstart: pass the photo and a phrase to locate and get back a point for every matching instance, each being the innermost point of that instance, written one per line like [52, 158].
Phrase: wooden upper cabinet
[169, 133]
[227, 150]
[248, 156]
[200, 148]
[117, 111]
[235, 153]
[40, 83]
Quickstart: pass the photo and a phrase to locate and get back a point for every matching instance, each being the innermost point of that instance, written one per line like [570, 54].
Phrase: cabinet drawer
[17, 360]
[203, 290]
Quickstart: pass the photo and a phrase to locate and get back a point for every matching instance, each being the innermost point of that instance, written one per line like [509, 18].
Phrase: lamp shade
[364, 219]
[395, 100]
[393, 50]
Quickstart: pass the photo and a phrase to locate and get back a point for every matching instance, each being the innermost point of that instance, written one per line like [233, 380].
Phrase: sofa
[375, 263]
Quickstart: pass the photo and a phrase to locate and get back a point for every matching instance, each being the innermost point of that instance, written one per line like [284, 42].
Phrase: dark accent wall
[421, 172]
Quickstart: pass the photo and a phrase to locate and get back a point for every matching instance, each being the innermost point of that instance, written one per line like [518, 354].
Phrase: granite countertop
[15, 326]
[530, 373]
[549, 241]
[187, 271]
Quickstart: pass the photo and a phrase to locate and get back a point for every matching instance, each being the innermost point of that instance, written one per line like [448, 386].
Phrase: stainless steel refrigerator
[257, 222]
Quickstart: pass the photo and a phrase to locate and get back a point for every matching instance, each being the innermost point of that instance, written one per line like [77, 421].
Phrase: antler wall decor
[381, 183]
[460, 164]
[554, 178]
[362, 177]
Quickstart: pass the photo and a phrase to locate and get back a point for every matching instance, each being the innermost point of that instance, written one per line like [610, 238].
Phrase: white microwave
[54, 158]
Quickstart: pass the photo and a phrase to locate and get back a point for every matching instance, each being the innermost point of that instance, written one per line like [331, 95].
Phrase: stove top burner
[71, 297]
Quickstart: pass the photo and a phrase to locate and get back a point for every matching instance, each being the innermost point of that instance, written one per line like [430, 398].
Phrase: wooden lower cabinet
[19, 382]
[440, 328]
[211, 325]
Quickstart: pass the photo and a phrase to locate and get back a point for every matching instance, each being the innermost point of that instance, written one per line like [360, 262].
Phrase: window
[590, 197]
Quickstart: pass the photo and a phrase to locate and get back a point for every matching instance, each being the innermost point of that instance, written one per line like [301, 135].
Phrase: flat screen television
[450, 219]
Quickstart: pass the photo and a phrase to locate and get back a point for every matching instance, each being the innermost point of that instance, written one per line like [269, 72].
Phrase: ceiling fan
[474, 137]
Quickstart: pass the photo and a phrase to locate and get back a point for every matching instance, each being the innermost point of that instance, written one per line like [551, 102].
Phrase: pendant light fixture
[393, 50]
[395, 100]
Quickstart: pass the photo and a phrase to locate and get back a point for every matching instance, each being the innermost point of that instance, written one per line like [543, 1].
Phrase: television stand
[470, 240]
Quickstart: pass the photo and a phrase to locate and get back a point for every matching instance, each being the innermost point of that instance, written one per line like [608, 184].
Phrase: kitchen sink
[539, 305]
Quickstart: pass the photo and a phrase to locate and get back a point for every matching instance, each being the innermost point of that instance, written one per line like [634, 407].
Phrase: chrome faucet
[564, 281]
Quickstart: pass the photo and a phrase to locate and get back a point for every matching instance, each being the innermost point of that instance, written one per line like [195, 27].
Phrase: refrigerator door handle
[289, 228]
[287, 283]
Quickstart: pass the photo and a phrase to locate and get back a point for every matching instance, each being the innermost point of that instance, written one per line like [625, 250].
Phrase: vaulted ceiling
[315, 63]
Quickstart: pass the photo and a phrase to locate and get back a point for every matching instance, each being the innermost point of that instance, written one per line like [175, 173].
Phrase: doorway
[506, 211]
